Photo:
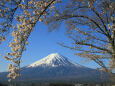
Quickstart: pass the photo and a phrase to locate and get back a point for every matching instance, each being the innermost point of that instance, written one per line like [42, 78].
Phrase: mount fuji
[54, 60]
[55, 67]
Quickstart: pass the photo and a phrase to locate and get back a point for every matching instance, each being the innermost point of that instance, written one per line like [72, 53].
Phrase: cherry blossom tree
[25, 13]
[91, 26]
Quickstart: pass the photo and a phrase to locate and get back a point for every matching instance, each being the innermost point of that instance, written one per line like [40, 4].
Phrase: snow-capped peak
[53, 60]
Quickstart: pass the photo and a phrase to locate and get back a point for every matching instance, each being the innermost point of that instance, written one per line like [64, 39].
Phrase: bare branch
[82, 16]
[87, 44]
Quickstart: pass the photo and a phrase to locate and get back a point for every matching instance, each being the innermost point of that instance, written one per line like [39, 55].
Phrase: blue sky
[41, 44]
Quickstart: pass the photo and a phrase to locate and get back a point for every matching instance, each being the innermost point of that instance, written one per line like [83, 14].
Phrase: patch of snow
[53, 60]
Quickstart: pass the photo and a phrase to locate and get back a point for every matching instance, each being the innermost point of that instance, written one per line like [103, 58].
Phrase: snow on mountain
[54, 60]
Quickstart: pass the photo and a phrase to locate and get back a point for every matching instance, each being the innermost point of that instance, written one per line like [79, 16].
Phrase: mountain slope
[54, 60]
[55, 67]
[58, 67]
